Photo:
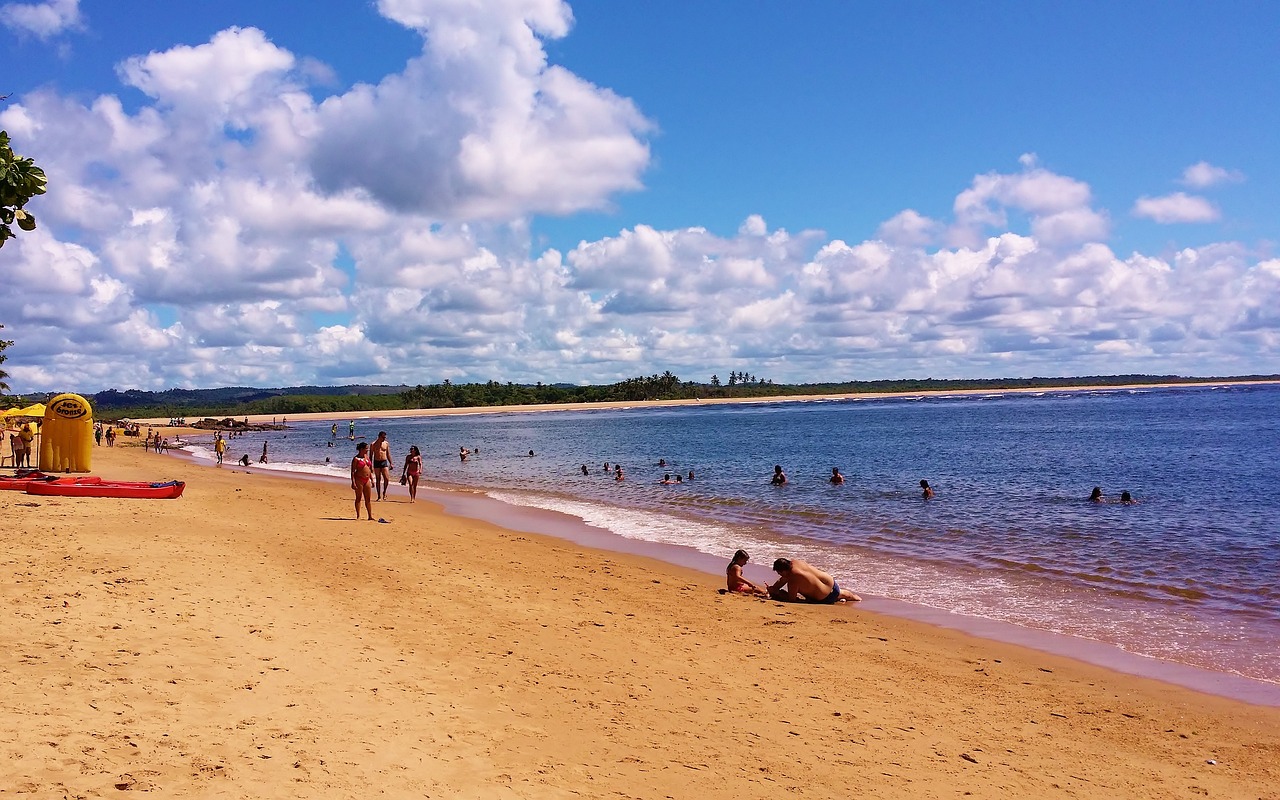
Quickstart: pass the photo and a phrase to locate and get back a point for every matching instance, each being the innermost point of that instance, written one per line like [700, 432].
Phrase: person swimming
[1096, 495]
[779, 477]
[836, 478]
[926, 491]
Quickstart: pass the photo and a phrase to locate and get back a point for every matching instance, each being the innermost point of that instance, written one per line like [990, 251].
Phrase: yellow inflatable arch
[66, 439]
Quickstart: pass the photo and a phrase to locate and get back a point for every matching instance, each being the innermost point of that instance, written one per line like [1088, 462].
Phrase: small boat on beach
[19, 483]
[166, 490]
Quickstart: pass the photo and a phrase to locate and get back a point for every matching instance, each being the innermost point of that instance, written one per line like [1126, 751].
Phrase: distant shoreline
[326, 416]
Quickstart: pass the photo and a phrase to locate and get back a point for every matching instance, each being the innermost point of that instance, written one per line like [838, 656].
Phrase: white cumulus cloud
[1202, 175]
[44, 20]
[1177, 207]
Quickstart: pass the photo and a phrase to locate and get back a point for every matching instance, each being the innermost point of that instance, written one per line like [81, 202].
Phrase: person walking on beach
[926, 491]
[381, 464]
[836, 478]
[801, 582]
[779, 477]
[219, 447]
[362, 479]
[735, 580]
[412, 470]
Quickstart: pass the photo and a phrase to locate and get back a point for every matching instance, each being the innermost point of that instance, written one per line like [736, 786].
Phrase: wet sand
[251, 640]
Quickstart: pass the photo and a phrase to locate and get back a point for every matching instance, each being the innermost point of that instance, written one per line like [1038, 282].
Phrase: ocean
[1186, 574]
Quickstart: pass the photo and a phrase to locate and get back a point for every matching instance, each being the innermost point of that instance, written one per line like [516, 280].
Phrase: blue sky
[409, 190]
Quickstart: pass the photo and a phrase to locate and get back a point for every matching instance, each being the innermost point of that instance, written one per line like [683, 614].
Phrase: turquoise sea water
[1187, 574]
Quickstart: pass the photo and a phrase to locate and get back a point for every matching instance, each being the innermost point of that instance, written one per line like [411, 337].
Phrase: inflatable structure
[66, 438]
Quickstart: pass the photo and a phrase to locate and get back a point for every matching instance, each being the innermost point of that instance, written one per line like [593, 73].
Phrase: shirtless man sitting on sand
[801, 582]
[735, 580]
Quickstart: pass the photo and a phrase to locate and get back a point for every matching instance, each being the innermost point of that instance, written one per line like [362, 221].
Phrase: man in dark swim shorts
[381, 465]
[801, 582]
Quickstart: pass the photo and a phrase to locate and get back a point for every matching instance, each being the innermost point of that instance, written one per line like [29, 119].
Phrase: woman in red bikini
[362, 479]
[412, 470]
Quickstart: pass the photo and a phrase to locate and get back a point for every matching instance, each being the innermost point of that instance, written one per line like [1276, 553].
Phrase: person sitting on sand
[362, 479]
[836, 478]
[735, 580]
[779, 477]
[926, 491]
[1096, 495]
[801, 582]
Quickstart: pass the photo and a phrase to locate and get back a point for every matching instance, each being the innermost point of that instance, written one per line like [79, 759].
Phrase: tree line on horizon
[243, 401]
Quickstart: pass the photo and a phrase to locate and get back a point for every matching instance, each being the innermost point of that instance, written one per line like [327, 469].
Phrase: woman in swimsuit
[413, 469]
[362, 479]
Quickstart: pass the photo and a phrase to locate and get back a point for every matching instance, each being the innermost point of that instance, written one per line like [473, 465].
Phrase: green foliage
[239, 401]
[4, 387]
[20, 180]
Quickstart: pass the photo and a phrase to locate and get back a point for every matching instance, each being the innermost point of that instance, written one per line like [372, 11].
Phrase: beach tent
[21, 416]
[35, 411]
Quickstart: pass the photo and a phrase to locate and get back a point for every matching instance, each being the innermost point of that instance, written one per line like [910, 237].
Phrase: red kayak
[19, 483]
[138, 489]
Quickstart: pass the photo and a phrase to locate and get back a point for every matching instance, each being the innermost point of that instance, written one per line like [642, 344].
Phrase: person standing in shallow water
[836, 478]
[926, 491]
[1096, 495]
[779, 477]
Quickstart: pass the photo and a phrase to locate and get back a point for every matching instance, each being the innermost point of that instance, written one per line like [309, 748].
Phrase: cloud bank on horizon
[225, 217]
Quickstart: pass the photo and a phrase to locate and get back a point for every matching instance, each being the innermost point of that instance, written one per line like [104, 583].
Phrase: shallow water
[1187, 574]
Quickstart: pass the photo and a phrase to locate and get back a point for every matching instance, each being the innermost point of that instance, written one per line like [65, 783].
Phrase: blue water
[1188, 573]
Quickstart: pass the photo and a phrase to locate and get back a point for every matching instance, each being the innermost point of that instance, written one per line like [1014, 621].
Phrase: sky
[407, 191]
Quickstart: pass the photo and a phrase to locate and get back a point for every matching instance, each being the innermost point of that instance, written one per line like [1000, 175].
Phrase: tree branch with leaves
[20, 180]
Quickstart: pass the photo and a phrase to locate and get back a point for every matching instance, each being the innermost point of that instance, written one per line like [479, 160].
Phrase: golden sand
[251, 640]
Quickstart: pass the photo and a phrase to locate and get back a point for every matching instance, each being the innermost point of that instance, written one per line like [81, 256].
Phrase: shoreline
[327, 416]
[477, 504]
[250, 638]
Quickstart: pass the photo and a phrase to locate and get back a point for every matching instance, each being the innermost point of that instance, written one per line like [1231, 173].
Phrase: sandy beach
[251, 640]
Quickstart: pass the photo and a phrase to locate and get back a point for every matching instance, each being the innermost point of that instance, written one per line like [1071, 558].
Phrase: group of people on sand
[798, 582]
[371, 473]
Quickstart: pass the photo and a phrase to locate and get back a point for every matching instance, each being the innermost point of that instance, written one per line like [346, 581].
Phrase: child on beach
[734, 579]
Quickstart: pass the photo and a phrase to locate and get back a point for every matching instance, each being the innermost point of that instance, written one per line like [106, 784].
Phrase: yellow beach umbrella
[35, 411]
